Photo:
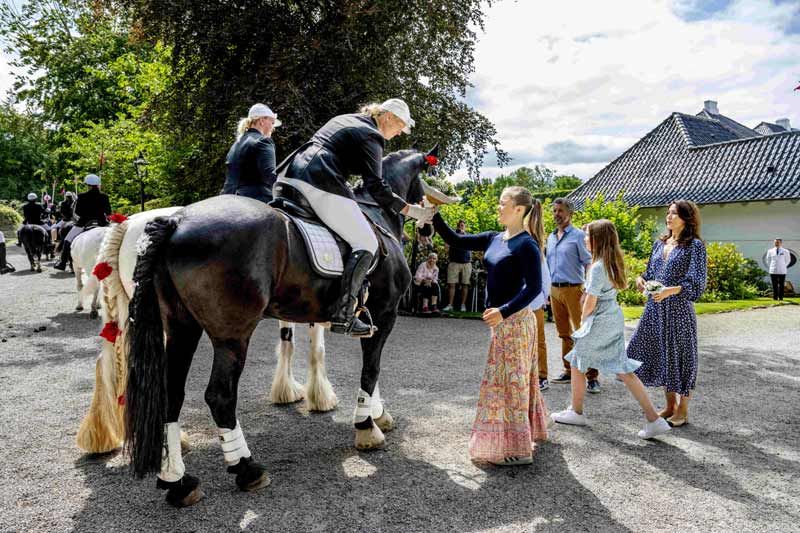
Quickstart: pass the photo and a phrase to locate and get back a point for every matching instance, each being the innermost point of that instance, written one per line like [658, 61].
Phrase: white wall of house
[752, 226]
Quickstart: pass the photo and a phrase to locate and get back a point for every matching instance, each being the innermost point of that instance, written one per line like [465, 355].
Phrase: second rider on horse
[91, 207]
[348, 145]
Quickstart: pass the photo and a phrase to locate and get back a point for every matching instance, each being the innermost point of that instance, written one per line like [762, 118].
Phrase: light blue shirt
[567, 258]
[539, 301]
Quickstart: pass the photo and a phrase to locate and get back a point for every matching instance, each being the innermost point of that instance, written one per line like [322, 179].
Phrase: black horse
[33, 238]
[221, 266]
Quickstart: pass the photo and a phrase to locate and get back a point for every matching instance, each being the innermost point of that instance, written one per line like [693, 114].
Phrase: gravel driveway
[734, 468]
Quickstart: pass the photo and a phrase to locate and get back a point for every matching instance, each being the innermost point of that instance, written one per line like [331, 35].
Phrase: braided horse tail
[103, 428]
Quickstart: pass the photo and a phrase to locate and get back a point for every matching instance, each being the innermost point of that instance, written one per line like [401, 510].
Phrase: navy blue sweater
[513, 267]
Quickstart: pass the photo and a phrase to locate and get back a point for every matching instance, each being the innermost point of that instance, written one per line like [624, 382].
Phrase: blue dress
[666, 339]
[600, 341]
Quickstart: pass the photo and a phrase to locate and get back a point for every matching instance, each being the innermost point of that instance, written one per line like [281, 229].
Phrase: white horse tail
[103, 428]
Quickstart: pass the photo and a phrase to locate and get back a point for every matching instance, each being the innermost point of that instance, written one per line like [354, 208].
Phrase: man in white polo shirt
[778, 259]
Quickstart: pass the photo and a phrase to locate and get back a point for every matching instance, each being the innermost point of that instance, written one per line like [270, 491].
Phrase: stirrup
[348, 328]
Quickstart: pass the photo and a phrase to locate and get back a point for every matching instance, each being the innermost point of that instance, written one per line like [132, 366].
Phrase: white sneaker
[463, 308]
[569, 417]
[447, 308]
[657, 427]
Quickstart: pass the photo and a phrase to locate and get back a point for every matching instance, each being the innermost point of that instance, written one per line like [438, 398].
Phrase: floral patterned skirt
[511, 412]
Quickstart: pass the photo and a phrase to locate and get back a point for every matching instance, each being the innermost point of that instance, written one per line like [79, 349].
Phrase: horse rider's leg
[319, 392]
[284, 388]
[182, 338]
[370, 418]
[79, 285]
[221, 396]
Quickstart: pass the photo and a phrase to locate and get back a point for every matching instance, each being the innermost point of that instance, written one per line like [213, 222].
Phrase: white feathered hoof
[185, 446]
[286, 391]
[369, 439]
[385, 422]
[321, 397]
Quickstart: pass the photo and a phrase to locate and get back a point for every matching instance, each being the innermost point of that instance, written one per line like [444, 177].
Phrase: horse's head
[402, 170]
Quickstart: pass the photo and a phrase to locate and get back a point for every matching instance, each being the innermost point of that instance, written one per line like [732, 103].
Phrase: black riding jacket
[347, 145]
[33, 212]
[66, 208]
[92, 205]
[250, 166]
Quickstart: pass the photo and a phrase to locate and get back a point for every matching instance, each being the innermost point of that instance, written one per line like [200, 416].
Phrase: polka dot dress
[666, 339]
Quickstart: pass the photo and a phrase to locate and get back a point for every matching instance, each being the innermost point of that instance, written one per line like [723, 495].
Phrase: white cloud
[591, 78]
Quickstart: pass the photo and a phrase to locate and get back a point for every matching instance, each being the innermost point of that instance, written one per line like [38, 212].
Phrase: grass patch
[702, 308]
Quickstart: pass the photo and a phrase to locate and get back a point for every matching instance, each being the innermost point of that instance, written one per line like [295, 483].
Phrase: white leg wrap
[233, 445]
[363, 407]
[376, 406]
[172, 468]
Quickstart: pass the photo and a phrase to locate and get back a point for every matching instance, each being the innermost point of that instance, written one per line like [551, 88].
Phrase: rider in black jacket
[350, 145]
[91, 206]
[250, 165]
[33, 211]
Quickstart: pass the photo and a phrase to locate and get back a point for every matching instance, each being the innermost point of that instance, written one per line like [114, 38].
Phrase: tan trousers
[566, 305]
[541, 345]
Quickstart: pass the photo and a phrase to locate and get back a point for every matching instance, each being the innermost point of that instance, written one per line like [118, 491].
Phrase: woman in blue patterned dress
[666, 339]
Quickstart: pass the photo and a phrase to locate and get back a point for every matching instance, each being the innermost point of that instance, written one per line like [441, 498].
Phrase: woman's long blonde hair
[244, 125]
[535, 225]
[604, 241]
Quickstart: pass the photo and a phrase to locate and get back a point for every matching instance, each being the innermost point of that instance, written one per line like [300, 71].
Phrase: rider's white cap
[261, 110]
[92, 179]
[400, 110]
[32, 196]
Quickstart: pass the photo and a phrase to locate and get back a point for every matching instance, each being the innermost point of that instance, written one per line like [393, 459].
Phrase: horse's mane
[392, 169]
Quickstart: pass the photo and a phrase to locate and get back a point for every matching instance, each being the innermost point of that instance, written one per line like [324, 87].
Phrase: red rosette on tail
[121, 400]
[110, 332]
[117, 218]
[102, 270]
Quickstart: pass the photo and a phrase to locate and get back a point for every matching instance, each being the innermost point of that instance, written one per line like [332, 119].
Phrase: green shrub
[633, 267]
[9, 219]
[730, 275]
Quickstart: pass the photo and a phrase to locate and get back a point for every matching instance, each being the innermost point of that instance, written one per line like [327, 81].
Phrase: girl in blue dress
[600, 341]
[666, 339]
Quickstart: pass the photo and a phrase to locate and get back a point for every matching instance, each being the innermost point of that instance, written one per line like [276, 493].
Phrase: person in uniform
[347, 145]
[34, 213]
[250, 164]
[91, 206]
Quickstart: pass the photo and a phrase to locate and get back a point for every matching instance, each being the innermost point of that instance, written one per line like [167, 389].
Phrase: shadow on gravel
[319, 483]
[22, 273]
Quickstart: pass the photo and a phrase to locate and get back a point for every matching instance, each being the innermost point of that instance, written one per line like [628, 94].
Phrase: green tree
[24, 157]
[567, 182]
[635, 234]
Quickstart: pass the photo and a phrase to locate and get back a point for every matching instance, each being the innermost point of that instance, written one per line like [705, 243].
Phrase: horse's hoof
[185, 446]
[369, 439]
[182, 493]
[93, 314]
[79, 308]
[284, 393]
[385, 422]
[250, 475]
[39, 269]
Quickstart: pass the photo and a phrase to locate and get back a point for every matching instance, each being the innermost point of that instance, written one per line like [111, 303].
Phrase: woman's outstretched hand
[492, 317]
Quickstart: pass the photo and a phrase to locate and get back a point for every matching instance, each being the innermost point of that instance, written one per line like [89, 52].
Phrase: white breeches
[340, 214]
[74, 232]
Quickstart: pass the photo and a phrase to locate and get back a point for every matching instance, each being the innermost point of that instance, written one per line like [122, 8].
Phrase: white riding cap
[260, 110]
[400, 110]
[92, 179]
[32, 196]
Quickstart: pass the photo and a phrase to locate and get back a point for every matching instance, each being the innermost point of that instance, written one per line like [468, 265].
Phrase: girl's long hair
[690, 214]
[535, 224]
[604, 242]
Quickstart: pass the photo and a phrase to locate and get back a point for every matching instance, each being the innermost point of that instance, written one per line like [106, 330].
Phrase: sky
[572, 84]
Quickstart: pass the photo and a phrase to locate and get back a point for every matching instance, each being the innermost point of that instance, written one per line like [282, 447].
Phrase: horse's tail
[147, 379]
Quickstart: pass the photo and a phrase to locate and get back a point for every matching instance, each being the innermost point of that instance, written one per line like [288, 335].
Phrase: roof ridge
[747, 139]
[682, 127]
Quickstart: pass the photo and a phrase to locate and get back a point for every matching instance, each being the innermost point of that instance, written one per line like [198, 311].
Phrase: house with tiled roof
[746, 181]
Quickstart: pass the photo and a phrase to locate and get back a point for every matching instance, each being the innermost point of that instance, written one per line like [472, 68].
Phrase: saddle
[325, 248]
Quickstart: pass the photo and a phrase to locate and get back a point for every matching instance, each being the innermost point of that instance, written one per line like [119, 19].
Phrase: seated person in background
[427, 281]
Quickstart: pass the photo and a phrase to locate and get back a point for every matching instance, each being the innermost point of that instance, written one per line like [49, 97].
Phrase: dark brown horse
[221, 266]
[34, 239]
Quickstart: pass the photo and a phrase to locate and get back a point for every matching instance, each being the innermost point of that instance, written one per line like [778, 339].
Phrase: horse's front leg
[79, 285]
[320, 395]
[95, 286]
[371, 418]
[284, 388]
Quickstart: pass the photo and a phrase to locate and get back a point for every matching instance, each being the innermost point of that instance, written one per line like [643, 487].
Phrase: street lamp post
[140, 164]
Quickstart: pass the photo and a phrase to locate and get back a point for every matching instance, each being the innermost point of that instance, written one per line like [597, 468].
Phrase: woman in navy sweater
[511, 413]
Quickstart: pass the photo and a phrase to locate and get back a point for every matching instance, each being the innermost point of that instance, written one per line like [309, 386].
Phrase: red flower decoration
[102, 270]
[110, 332]
[432, 160]
[117, 218]
[121, 399]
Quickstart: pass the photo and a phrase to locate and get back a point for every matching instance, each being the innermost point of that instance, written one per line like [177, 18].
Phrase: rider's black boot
[65, 251]
[344, 319]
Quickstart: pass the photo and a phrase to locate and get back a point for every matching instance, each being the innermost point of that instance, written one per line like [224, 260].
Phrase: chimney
[784, 123]
[710, 106]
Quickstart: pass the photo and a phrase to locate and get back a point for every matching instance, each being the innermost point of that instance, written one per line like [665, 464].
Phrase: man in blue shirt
[568, 259]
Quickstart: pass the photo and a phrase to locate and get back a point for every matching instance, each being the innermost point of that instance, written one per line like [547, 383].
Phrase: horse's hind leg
[320, 395]
[95, 287]
[221, 396]
[79, 285]
[182, 338]
[284, 388]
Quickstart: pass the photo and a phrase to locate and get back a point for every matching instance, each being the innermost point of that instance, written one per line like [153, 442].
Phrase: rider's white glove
[423, 214]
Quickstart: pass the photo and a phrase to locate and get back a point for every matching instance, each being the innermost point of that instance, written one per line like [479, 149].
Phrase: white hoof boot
[369, 439]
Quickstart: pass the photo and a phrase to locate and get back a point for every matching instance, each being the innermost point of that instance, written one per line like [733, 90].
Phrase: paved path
[734, 468]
